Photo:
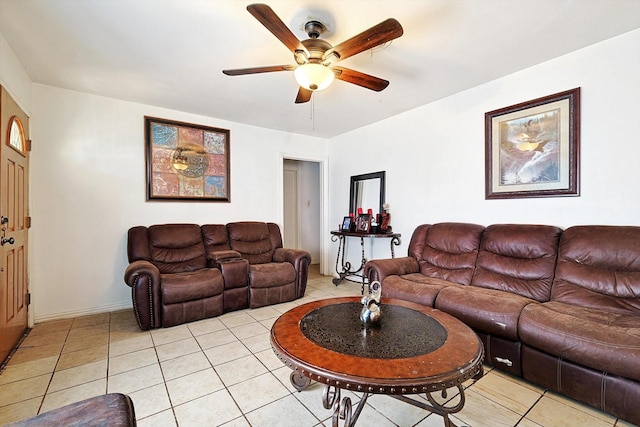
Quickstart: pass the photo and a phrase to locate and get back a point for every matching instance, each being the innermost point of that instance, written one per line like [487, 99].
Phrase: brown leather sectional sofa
[185, 272]
[560, 308]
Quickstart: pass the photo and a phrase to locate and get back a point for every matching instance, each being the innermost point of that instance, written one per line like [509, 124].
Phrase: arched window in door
[16, 135]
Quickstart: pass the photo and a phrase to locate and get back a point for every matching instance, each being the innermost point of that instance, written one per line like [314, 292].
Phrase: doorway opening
[303, 208]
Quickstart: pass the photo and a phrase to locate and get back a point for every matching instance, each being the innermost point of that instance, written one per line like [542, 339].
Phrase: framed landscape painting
[531, 149]
[186, 162]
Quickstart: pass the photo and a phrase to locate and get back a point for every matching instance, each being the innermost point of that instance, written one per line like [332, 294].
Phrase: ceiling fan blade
[304, 95]
[256, 70]
[374, 36]
[360, 79]
[273, 23]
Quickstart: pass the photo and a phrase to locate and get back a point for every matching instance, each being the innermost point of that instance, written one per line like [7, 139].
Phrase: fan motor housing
[316, 47]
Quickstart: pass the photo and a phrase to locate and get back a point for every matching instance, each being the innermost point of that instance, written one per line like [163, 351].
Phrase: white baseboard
[83, 312]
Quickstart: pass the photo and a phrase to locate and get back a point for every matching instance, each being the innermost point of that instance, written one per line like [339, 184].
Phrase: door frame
[323, 163]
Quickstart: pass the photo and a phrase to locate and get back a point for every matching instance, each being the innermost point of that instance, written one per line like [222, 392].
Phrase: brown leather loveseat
[185, 272]
[560, 308]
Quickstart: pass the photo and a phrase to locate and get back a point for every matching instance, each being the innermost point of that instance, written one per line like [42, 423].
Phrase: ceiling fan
[315, 57]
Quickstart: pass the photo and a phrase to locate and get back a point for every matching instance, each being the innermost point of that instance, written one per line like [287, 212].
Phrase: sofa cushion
[215, 237]
[447, 250]
[181, 287]
[271, 274]
[518, 258]
[599, 339]
[599, 267]
[485, 310]
[252, 240]
[415, 287]
[176, 248]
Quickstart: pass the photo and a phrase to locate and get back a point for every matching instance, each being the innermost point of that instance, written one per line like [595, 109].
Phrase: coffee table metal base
[344, 410]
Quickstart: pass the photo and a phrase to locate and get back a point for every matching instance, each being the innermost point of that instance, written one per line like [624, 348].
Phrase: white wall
[434, 155]
[88, 188]
[13, 77]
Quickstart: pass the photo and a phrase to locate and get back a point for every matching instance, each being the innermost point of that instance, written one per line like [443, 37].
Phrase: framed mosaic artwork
[186, 162]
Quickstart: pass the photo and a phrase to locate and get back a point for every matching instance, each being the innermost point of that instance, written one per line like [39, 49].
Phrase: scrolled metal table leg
[330, 395]
[299, 381]
[435, 406]
[395, 241]
[343, 268]
[342, 409]
[445, 410]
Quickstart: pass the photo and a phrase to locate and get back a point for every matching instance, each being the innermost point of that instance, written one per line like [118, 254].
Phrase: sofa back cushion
[215, 237]
[446, 250]
[518, 258]
[253, 240]
[172, 248]
[599, 267]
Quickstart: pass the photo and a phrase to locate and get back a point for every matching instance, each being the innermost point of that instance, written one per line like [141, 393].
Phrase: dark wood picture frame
[363, 223]
[532, 148]
[346, 223]
[186, 162]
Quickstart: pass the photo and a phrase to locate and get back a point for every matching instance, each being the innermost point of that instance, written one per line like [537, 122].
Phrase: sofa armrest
[235, 272]
[301, 261]
[144, 279]
[379, 269]
[214, 258]
[293, 256]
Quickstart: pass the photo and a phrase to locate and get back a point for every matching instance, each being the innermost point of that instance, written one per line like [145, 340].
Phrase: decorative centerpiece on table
[370, 313]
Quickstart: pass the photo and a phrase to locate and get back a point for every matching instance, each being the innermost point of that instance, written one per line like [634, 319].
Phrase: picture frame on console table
[363, 223]
[532, 148]
[186, 162]
[346, 224]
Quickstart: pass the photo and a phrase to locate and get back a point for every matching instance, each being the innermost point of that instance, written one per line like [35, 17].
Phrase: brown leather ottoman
[113, 410]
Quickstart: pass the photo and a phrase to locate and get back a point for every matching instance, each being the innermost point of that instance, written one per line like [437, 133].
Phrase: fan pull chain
[313, 113]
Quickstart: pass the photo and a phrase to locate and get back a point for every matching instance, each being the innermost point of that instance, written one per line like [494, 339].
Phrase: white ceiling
[170, 53]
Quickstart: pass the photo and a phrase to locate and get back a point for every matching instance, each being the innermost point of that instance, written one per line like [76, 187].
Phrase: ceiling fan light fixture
[313, 76]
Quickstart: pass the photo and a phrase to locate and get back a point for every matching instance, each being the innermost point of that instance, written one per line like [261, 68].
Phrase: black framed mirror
[367, 192]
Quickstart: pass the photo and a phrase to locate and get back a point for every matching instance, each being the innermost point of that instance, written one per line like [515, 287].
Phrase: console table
[343, 268]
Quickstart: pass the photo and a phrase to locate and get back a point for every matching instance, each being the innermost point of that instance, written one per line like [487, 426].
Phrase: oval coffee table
[414, 350]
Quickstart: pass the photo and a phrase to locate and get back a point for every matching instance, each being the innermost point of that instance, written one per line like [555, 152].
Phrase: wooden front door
[14, 222]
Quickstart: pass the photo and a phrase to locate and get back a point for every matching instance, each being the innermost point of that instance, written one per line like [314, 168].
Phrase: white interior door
[291, 220]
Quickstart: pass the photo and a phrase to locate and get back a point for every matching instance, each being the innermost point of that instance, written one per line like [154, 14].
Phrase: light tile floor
[222, 371]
